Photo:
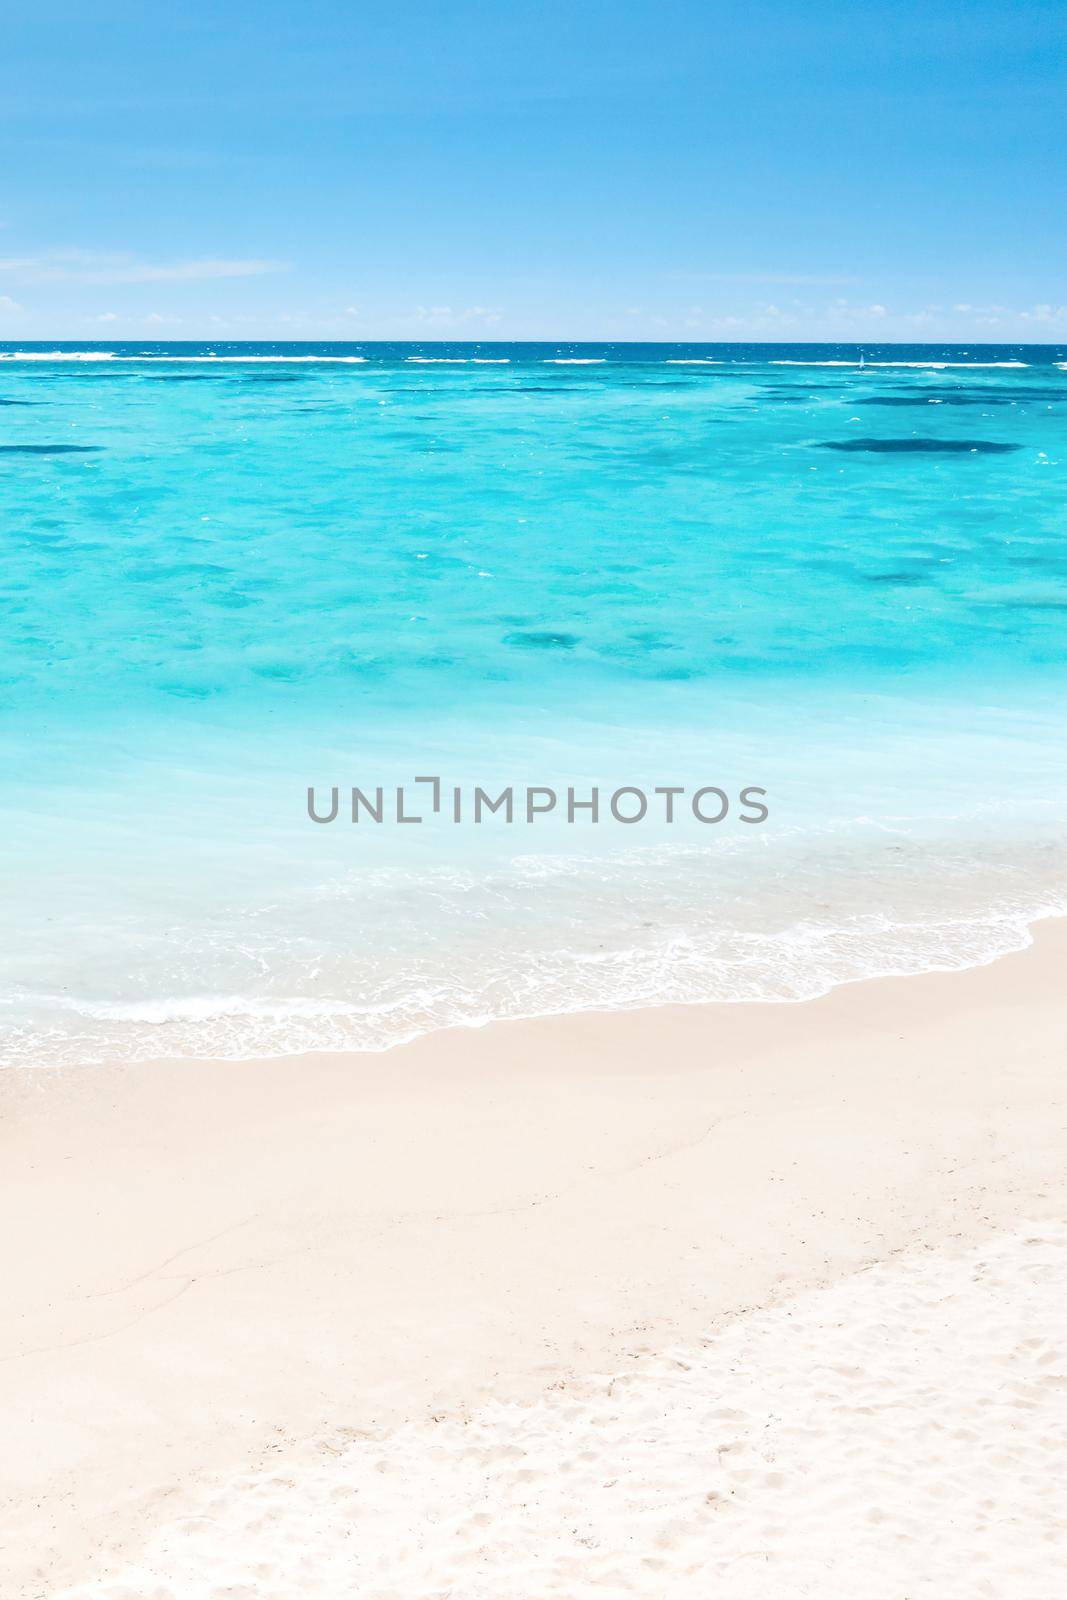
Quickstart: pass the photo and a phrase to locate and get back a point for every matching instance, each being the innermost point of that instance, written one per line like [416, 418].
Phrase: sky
[459, 169]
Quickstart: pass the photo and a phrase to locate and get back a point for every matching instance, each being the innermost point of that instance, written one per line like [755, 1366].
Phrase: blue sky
[574, 169]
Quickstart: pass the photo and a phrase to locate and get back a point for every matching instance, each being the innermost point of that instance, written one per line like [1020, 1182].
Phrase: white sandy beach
[755, 1301]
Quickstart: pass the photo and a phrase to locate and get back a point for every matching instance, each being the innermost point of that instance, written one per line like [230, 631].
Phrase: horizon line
[911, 344]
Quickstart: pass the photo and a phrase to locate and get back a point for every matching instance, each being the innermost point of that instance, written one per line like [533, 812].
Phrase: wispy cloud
[443, 317]
[768, 317]
[153, 319]
[7, 305]
[81, 266]
[842, 318]
[993, 316]
[187, 271]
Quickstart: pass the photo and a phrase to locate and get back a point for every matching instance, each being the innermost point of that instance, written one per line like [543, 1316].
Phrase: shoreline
[232, 1258]
[1019, 926]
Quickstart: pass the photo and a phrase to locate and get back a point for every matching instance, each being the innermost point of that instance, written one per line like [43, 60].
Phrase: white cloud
[993, 315]
[9, 305]
[1054, 314]
[814, 318]
[843, 311]
[445, 316]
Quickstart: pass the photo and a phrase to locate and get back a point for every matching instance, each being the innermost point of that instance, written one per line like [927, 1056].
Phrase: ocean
[234, 573]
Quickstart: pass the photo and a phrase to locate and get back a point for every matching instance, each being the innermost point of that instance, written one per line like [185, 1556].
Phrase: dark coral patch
[933, 447]
[935, 400]
[48, 449]
[542, 641]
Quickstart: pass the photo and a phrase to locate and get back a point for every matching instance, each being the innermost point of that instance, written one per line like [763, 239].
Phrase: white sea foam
[691, 361]
[328, 360]
[210, 1008]
[114, 355]
[57, 355]
[575, 361]
[936, 366]
[679, 968]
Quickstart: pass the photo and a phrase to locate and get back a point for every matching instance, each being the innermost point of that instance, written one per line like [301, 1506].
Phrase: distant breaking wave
[852, 363]
[113, 355]
[779, 361]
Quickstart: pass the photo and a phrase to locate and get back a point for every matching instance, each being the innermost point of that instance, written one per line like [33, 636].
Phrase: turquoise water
[231, 572]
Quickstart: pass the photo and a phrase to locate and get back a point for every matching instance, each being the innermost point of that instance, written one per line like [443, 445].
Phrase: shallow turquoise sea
[231, 572]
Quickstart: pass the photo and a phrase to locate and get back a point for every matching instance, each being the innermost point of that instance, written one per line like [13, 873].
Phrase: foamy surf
[114, 355]
[933, 366]
[506, 983]
[58, 355]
